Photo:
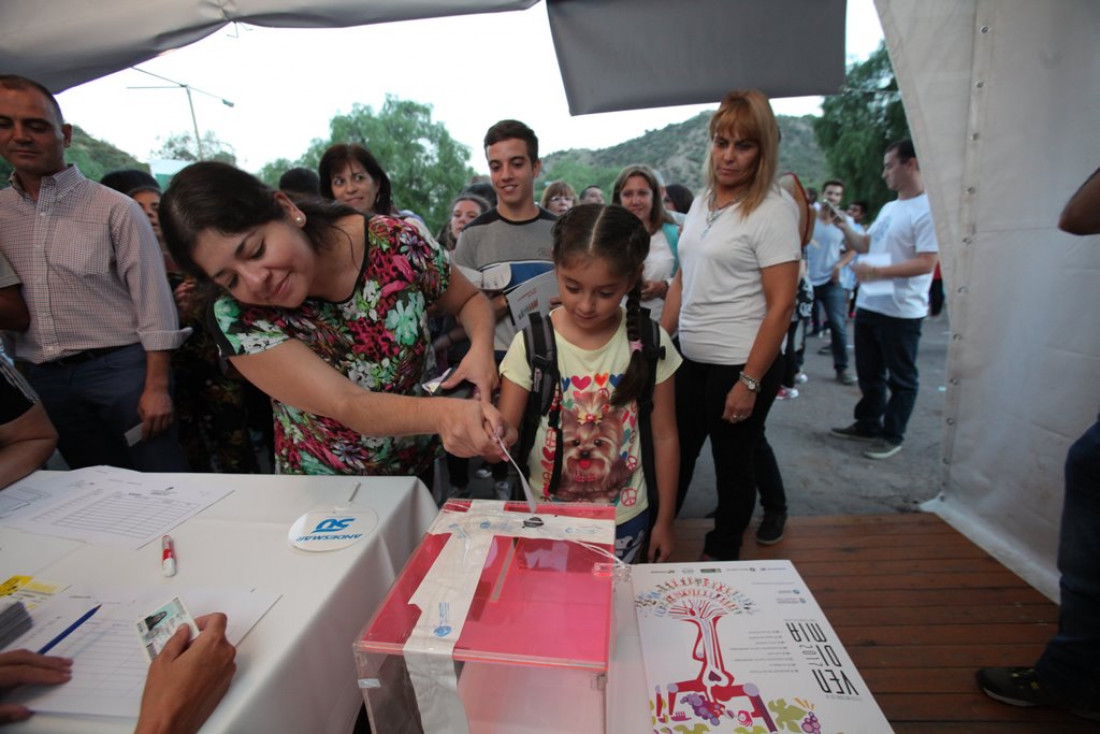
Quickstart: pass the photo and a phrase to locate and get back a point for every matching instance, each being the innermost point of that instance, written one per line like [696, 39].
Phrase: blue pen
[68, 630]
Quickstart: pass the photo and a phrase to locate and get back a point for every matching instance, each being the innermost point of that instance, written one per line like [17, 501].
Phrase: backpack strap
[545, 395]
[653, 352]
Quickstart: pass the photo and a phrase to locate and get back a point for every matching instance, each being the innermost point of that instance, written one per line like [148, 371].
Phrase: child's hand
[662, 541]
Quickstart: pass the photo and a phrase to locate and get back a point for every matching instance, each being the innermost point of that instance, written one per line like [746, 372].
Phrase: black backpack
[544, 399]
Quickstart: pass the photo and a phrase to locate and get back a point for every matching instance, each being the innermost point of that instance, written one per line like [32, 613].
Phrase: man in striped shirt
[102, 320]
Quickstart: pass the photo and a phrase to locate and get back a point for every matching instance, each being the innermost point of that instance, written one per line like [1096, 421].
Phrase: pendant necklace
[714, 211]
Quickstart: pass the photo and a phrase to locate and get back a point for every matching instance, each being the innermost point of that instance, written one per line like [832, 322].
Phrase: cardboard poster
[742, 648]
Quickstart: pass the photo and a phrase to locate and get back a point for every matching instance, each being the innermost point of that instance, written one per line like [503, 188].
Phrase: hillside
[678, 151]
[92, 156]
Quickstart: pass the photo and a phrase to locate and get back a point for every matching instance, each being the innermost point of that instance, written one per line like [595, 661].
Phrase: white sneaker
[787, 393]
[483, 472]
[801, 378]
[502, 490]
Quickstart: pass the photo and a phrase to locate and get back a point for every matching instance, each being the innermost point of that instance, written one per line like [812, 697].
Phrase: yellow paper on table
[29, 591]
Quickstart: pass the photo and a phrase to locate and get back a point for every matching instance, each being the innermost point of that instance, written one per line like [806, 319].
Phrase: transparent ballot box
[500, 622]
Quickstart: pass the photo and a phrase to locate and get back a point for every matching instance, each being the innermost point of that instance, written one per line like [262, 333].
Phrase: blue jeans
[700, 399]
[835, 302]
[886, 356]
[1071, 662]
[94, 403]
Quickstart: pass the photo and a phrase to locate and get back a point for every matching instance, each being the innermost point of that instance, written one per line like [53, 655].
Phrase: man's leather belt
[86, 356]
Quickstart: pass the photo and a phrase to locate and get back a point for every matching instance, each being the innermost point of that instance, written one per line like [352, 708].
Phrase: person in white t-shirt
[732, 301]
[901, 249]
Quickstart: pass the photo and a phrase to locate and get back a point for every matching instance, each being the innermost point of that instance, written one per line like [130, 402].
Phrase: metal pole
[194, 121]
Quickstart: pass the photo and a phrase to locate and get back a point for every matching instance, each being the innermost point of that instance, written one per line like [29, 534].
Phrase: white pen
[167, 556]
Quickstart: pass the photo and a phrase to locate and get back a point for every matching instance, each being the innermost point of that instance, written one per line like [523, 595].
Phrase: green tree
[578, 174]
[426, 166]
[181, 147]
[857, 124]
[273, 171]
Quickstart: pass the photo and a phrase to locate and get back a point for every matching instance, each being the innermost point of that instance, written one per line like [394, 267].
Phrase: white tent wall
[1002, 102]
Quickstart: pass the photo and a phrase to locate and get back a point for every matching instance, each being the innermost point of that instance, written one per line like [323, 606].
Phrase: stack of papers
[104, 506]
[14, 621]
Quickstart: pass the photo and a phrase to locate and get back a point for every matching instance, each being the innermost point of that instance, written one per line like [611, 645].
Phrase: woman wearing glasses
[558, 198]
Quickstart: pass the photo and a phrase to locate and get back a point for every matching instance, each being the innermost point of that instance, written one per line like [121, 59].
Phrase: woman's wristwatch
[750, 382]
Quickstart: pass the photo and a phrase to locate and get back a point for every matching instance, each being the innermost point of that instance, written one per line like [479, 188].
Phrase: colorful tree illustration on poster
[714, 699]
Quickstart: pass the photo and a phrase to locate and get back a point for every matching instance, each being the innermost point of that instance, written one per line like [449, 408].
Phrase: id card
[156, 628]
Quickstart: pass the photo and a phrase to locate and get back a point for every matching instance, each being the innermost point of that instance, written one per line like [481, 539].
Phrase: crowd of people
[227, 318]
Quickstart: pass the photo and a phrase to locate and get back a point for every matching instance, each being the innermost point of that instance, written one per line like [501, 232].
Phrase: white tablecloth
[295, 669]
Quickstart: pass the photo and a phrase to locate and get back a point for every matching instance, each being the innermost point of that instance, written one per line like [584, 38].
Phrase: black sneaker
[844, 377]
[1021, 687]
[856, 431]
[771, 527]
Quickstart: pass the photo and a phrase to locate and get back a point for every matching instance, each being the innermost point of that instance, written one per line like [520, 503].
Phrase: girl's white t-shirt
[602, 459]
[722, 303]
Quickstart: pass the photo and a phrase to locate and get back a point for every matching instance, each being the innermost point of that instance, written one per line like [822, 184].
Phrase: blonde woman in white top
[731, 302]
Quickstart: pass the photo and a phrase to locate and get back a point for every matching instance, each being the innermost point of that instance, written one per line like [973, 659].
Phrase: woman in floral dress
[324, 309]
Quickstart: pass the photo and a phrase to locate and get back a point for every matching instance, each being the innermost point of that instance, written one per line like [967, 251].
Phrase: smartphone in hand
[838, 216]
[434, 387]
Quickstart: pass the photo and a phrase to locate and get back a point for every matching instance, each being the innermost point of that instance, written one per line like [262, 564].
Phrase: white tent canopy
[63, 43]
[1002, 99]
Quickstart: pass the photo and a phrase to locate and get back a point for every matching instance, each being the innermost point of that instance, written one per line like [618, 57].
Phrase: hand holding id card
[157, 628]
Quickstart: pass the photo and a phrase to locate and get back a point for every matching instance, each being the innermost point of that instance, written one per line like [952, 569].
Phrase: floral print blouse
[377, 338]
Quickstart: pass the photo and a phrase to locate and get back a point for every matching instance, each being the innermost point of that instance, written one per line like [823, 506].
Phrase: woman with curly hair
[324, 309]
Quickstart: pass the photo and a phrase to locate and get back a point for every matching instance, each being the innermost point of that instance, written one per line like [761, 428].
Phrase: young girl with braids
[599, 252]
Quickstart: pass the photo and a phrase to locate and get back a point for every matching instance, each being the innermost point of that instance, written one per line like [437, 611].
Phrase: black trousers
[701, 391]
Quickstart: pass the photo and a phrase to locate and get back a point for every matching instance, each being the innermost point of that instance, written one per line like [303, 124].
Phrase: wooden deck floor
[919, 608]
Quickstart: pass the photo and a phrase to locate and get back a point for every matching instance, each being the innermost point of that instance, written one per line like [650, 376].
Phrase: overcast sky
[286, 85]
